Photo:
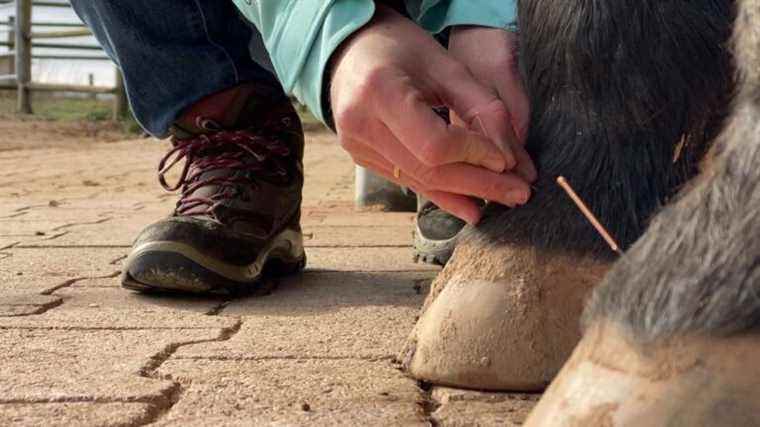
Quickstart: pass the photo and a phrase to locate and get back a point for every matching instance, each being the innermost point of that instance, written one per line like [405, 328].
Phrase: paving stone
[13, 207]
[53, 265]
[114, 307]
[6, 242]
[323, 338]
[472, 408]
[356, 315]
[275, 392]
[364, 259]
[126, 204]
[31, 271]
[74, 414]
[24, 305]
[119, 232]
[122, 232]
[18, 228]
[64, 214]
[317, 291]
[352, 218]
[367, 236]
[39, 365]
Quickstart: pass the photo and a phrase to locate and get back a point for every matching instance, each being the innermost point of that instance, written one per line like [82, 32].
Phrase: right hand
[385, 80]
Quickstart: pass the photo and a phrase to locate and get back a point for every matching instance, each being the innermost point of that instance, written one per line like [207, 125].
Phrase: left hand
[491, 56]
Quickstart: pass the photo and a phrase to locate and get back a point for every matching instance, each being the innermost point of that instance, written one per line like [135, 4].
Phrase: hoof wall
[696, 381]
[510, 328]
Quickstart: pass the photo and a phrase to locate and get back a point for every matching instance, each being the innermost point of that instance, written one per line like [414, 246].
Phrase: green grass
[67, 109]
[80, 109]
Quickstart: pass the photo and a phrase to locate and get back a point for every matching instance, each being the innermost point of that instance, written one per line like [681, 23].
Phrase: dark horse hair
[697, 268]
[626, 96]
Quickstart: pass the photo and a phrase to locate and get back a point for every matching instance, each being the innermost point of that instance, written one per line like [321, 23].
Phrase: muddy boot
[501, 318]
[435, 233]
[239, 209]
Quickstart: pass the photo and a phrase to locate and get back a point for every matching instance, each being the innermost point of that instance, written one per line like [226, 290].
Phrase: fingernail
[519, 197]
[496, 165]
[528, 172]
[473, 220]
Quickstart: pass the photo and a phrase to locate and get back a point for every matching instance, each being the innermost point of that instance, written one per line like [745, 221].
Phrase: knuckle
[495, 188]
[374, 83]
[410, 99]
[458, 71]
[348, 144]
[374, 79]
[430, 154]
[507, 60]
[349, 120]
[429, 177]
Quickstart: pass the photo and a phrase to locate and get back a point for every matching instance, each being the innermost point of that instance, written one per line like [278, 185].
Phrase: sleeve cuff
[436, 16]
[342, 19]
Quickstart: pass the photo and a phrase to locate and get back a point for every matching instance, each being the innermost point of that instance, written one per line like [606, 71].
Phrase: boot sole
[166, 266]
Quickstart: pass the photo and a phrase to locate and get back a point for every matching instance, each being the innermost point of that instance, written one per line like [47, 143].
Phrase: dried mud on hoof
[501, 318]
[692, 381]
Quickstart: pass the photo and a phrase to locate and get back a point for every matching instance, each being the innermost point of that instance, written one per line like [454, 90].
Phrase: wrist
[382, 12]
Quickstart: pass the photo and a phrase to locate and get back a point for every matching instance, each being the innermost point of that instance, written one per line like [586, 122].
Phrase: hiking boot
[435, 234]
[238, 216]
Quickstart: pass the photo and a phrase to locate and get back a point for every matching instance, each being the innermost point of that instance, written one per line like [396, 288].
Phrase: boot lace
[240, 156]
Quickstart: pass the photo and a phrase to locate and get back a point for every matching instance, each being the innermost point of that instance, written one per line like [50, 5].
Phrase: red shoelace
[239, 155]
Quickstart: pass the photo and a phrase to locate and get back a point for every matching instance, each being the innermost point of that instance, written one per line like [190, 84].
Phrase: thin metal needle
[589, 215]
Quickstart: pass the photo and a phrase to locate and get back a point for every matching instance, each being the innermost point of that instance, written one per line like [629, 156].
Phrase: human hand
[385, 81]
[490, 54]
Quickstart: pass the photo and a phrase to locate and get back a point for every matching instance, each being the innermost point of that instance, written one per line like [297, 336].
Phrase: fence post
[23, 58]
[91, 83]
[120, 104]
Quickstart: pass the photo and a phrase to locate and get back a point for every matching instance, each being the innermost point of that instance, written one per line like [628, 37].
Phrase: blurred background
[66, 76]
[55, 65]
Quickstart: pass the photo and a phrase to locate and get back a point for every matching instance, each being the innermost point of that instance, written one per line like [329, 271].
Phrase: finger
[518, 105]
[470, 99]
[525, 166]
[412, 121]
[459, 178]
[460, 206]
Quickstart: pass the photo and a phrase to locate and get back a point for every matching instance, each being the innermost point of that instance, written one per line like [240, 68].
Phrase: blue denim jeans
[174, 52]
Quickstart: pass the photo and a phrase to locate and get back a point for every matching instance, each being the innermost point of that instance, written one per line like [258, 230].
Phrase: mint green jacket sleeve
[301, 35]
[436, 15]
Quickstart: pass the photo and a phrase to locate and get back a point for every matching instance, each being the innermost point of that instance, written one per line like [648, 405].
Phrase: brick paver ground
[76, 349]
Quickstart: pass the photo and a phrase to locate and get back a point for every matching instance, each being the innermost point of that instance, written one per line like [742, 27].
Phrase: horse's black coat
[615, 86]
[697, 268]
